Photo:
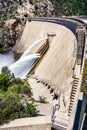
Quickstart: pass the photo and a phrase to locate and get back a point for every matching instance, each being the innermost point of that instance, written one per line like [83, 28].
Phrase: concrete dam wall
[56, 76]
[56, 66]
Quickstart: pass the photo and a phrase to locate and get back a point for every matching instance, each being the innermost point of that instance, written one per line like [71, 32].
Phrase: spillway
[27, 61]
[58, 62]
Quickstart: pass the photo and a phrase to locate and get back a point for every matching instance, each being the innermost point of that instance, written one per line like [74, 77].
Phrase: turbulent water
[31, 48]
[24, 65]
[6, 59]
[27, 61]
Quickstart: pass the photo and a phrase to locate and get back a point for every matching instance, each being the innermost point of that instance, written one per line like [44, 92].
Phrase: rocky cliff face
[11, 26]
[56, 7]
[40, 8]
[43, 8]
[10, 33]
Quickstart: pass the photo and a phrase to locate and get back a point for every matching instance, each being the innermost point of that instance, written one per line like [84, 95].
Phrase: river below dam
[6, 59]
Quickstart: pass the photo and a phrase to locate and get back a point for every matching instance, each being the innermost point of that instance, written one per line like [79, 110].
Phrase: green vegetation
[7, 13]
[84, 78]
[31, 109]
[14, 96]
[42, 99]
[49, 8]
[4, 82]
[70, 7]
[7, 35]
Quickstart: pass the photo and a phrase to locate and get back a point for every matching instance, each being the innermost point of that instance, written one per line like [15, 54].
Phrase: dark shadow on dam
[77, 116]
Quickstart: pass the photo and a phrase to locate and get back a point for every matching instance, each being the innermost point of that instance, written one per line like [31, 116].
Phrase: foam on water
[6, 59]
[27, 61]
[23, 66]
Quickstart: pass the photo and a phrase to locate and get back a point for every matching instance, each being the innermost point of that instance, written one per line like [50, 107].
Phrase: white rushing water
[32, 47]
[27, 61]
[6, 59]
[23, 66]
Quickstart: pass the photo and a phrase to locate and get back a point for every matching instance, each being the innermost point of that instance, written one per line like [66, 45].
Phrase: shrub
[31, 109]
[20, 89]
[6, 71]
[4, 82]
[84, 78]
[42, 99]
[11, 108]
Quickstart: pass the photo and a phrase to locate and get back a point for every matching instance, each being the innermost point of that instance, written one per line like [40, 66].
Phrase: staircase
[73, 94]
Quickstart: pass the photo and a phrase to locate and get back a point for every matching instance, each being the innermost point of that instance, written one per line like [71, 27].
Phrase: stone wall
[35, 123]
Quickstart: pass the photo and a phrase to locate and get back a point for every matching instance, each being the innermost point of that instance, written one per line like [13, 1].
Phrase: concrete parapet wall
[36, 123]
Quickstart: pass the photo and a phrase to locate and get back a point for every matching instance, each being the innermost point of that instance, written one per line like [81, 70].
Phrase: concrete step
[74, 89]
[76, 78]
[71, 103]
[69, 114]
[70, 109]
[72, 98]
[73, 93]
[75, 85]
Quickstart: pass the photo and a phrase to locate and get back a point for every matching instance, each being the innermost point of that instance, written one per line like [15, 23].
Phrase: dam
[57, 75]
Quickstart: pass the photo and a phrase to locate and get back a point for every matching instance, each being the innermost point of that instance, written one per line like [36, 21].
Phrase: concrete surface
[36, 123]
[56, 67]
[57, 64]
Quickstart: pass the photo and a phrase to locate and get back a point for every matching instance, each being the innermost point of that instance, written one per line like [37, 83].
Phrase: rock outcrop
[10, 33]
[43, 8]
[40, 8]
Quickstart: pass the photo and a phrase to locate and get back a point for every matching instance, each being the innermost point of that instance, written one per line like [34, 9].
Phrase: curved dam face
[56, 66]
[58, 62]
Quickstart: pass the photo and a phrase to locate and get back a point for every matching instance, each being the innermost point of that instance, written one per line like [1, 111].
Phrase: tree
[70, 7]
[4, 82]
[5, 70]
[14, 93]
[11, 108]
